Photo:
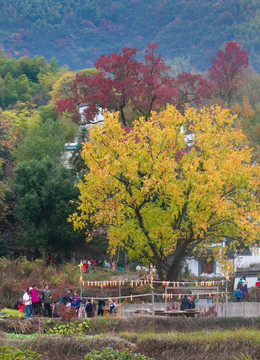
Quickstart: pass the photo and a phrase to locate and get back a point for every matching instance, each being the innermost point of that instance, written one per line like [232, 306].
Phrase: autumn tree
[111, 92]
[61, 88]
[124, 83]
[162, 199]
[193, 89]
[226, 72]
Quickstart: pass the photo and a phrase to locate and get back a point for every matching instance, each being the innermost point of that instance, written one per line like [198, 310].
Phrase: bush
[107, 353]
[26, 267]
[64, 328]
[10, 312]
[254, 294]
[8, 352]
[22, 273]
[67, 313]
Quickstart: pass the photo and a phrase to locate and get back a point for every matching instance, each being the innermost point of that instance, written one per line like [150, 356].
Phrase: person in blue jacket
[66, 297]
[238, 294]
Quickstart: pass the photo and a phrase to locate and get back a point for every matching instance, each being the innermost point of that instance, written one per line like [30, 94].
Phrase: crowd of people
[35, 301]
[88, 264]
[241, 290]
[38, 303]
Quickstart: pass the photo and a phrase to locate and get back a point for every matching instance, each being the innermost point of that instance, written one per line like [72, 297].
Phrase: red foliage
[156, 87]
[67, 312]
[124, 81]
[226, 72]
[192, 88]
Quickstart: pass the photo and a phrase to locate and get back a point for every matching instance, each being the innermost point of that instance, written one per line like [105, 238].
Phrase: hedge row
[159, 324]
[156, 324]
[236, 345]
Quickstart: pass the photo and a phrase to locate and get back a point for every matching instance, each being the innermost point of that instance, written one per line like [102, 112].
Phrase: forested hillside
[76, 32]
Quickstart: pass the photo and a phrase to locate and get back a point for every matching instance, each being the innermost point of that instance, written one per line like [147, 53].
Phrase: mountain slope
[76, 32]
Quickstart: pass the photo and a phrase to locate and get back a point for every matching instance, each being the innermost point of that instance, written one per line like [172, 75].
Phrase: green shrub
[10, 312]
[106, 353]
[63, 328]
[8, 353]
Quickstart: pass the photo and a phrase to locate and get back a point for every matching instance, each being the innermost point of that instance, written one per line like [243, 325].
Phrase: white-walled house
[246, 263]
[99, 118]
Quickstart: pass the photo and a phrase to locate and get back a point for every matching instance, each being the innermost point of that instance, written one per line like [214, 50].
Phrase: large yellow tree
[162, 199]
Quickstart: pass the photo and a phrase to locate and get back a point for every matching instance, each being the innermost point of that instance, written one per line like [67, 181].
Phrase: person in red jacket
[257, 283]
[85, 266]
[19, 305]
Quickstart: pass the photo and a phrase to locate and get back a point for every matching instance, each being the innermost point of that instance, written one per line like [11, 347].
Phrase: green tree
[25, 79]
[44, 192]
[10, 91]
[46, 136]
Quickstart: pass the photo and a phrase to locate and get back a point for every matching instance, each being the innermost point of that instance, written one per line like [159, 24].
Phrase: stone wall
[233, 309]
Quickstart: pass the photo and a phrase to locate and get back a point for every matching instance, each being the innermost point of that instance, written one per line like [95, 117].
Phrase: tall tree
[47, 136]
[226, 72]
[44, 192]
[101, 91]
[163, 200]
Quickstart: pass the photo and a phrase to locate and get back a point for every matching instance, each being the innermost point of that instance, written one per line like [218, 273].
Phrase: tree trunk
[174, 270]
[159, 271]
[123, 117]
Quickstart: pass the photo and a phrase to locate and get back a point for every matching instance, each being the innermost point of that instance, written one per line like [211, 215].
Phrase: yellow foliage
[62, 87]
[157, 196]
[246, 111]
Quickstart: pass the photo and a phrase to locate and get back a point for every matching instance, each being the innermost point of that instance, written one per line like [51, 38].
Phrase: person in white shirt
[28, 303]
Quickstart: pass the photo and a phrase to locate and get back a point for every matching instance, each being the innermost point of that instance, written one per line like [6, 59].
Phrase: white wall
[245, 261]
[193, 266]
[250, 281]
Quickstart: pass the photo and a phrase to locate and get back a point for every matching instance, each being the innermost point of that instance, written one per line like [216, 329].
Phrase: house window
[208, 267]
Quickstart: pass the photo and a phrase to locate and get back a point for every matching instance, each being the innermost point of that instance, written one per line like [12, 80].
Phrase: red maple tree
[156, 86]
[226, 72]
[123, 82]
[111, 88]
[193, 89]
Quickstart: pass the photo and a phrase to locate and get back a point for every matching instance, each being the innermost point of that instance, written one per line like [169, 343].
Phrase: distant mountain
[76, 32]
